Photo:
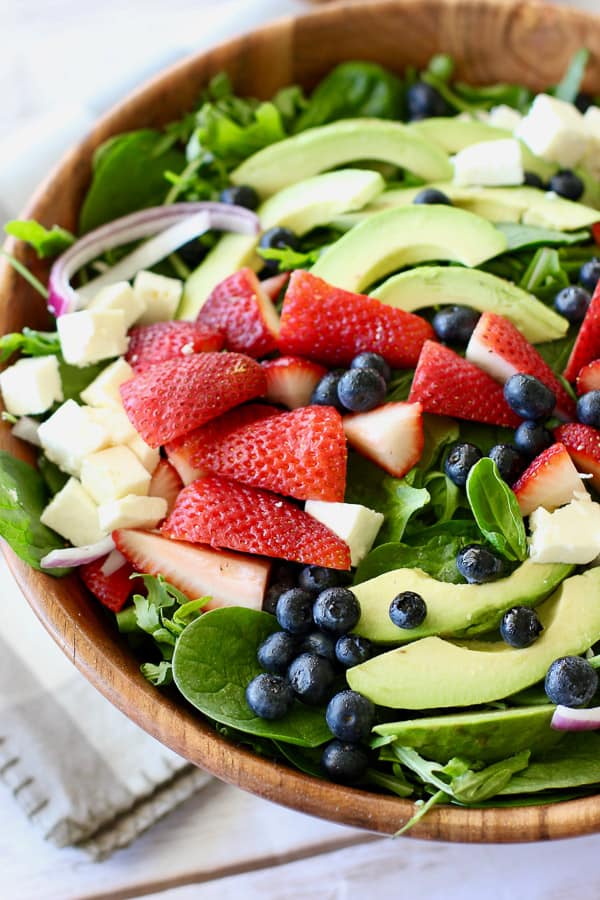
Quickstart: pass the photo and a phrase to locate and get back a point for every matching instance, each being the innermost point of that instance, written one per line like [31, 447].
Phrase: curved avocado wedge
[452, 609]
[301, 207]
[433, 673]
[396, 238]
[329, 146]
[446, 285]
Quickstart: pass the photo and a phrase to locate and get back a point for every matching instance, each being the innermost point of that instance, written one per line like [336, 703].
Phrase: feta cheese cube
[356, 525]
[489, 163]
[114, 473]
[70, 434]
[504, 116]
[148, 456]
[104, 390]
[31, 386]
[89, 336]
[554, 130]
[74, 515]
[132, 512]
[119, 296]
[570, 534]
[116, 422]
[160, 296]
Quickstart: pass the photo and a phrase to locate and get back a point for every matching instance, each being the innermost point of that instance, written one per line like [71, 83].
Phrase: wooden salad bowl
[491, 41]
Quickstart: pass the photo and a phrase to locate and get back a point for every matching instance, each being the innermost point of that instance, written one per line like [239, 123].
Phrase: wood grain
[522, 42]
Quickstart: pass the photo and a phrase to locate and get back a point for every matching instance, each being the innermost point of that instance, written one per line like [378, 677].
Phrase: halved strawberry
[165, 483]
[596, 232]
[391, 435]
[152, 344]
[449, 385]
[174, 397]
[222, 513]
[499, 349]
[583, 445]
[549, 481]
[230, 579]
[240, 309]
[291, 380]
[587, 343]
[114, 590]
[332, 326]
[589, 378]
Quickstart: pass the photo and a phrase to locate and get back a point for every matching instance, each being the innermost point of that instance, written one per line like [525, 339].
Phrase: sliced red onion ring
[27, 429]
[77, 556]
[173, 226]
[566, 718]
[113, 562]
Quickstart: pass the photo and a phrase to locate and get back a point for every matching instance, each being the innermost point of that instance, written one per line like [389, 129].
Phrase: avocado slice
[433, 673]
[452, 609]
[445, 285]
[301, 207]
[329, 146]
[398, 237]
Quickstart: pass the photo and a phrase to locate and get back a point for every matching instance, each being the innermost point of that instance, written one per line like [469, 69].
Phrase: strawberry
[243, 313]
[165, 483]
[583, 446]
[587, 342]
[589, 378]
[222, 513]
[176, 396]
[500, 349]
[274, 285]
[449, 385]
[549, 481]
[596, 232]
[291, 380]
[332, 326]
[112, 590]
[300, 454]
[391, 435]
[152, 344]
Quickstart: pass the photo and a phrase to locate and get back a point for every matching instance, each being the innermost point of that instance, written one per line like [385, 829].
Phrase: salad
[319, 423]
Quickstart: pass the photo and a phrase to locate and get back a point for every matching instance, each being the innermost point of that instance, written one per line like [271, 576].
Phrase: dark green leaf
[568, 88]
[575, 762]
[556, 353]
[518, 236]
[54, 477]
[74, 379]
[45, 241]
[30, 343]
[496, 510]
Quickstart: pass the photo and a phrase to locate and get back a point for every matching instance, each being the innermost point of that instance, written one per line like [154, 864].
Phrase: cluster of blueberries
[358, 389]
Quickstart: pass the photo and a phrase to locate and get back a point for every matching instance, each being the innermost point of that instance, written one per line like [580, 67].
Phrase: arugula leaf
[396, 784]
[570, 84]
[575, 762]
[496, 510]
[46, 242]
[159, 675]
[289, 259]
[475, 787]
[518, 236]
[30, 343]
[24, 272]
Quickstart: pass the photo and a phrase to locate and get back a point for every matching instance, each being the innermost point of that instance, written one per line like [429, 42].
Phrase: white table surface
[61, 63]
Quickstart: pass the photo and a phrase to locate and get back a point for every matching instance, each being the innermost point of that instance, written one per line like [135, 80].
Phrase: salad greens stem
[25, 273]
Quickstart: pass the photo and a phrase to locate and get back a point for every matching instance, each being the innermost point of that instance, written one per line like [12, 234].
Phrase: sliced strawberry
[230, 579]
[500, 349]
[240, 309]
[549, 481]
[274, 285]
[596, 232]
[589, 378]
[152, 344]
[174, 397]
[222, 513]
[113, 590]
[587, 343]
[583, 446]
[391, 435]
[449, 385]
[165, 483]
[291, 380]
[332, 326]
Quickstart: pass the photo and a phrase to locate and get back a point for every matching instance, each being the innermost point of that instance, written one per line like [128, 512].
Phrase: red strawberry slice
[589, 378]
[291, 380]
[222, 513]
[243, 313]
[332, 326]
[449, 385]
[583, 446]
[391, 435]
[500, 349]
[114, 590]
[596, 232]
[174, 397]
[274, 285]
[587, 343]
[152, 344]
[549, 481]
[230, 579]
[165, 483]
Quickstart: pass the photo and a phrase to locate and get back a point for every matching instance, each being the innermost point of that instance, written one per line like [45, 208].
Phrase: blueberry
[344, 762]
[460, 461]
[572, 303]
[571, 681]
[455, 324]
[589, 274]
[277, 651]
[320, 644]
[294, 611]
[273, 594]
[531, 438]
[520, 626]
[269, 696]
[314, 579]
[350, 716]
[510, 461]
[532, 179]
[311, 678]
[432, 196]
[325, 393]
[351, 650]
[240, 195]
[529, 397]
[566, 184]
[424, 101]
[583, 101]
[276, 239]
[192, 253]
[477, 564]
[336, 610]
[588, 409]
[361, 389]
[408, 610]
[368, 360]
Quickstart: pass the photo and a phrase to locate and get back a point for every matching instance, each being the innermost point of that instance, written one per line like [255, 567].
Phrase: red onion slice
[77, 556]
[565, 718]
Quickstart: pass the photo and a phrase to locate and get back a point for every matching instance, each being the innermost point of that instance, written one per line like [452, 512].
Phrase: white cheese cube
[120, 296]
[591, 121]
[104, 390]
[132, 512]
[116, 422]
[554, 130]
[114, 473]
[570, 534]
[148, 456]
[489, 163]
[31, 386]
[74, 515]
[356, 525]
[89, 336]
[504, 116]
[160, 296]
[70, 434]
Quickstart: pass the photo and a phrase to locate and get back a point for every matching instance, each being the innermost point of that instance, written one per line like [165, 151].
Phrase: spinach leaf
[496, 510]
[568, 88]
[439, 432]
[518, 236]
[575, 762]
[556, 353]
[46, 242]
[215, 659]
[30, 343]
[399, 386]
[75, 379]
[54, 477]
